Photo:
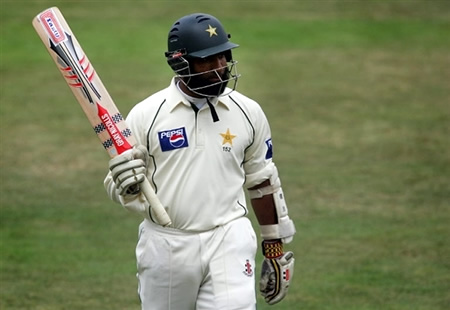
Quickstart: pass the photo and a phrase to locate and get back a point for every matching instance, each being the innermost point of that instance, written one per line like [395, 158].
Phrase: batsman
[201, 144]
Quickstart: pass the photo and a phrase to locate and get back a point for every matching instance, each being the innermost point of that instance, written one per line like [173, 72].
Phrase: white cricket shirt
[199, 167]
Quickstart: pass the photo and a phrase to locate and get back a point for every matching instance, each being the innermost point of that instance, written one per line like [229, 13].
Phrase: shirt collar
[176, 98]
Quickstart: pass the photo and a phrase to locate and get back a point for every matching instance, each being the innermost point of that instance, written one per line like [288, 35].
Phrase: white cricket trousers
[212, 270]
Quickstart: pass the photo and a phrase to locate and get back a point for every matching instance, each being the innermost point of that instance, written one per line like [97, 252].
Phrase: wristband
[272, 249]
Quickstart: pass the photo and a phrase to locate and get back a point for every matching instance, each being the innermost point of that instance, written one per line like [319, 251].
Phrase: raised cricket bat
[80, 75]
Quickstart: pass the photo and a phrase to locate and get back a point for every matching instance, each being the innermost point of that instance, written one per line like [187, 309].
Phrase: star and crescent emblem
[212, 31]
[227, 137]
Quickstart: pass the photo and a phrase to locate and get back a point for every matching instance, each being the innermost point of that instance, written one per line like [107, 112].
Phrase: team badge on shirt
[173, 139]
[269, 152]
[227, 139]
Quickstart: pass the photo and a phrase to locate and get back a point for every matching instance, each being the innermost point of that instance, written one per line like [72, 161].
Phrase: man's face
[216, 74]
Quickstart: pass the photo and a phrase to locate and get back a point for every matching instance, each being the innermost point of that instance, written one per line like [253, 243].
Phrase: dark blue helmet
[198, 35]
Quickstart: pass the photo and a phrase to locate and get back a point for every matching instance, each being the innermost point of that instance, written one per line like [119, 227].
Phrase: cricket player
[201, 143]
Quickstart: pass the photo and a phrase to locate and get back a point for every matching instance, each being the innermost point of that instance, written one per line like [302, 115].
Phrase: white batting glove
[276, 272]
[128, 170]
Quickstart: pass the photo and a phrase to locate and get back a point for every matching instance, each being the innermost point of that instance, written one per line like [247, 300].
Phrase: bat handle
[160, 213]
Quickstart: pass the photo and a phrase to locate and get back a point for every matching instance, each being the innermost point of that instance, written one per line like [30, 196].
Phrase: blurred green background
[358, 96]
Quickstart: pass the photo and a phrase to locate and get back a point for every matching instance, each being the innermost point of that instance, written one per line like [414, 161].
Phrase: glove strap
[272, 249]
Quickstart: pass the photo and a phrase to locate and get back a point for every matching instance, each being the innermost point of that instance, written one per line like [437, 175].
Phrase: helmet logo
[212, 31]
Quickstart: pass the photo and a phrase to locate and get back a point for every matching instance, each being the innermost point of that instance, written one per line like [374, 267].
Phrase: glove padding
[128, 170]
[276, 275]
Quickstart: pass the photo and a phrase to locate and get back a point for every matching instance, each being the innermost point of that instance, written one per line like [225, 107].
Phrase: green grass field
[358, 96]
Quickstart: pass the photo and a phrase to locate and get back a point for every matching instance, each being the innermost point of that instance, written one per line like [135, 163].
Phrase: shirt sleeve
[258, 163]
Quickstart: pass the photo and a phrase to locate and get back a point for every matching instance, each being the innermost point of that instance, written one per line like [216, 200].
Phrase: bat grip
[160, 213]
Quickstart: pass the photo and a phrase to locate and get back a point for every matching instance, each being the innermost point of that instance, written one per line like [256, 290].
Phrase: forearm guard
[285, 228]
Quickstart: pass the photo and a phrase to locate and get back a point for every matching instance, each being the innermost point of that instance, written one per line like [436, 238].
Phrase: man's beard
[202, 84]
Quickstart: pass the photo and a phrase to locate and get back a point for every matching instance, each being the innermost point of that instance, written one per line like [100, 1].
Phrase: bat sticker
[52, 26]
[68, 55]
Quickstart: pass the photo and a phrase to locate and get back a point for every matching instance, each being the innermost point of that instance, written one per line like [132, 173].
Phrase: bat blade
[87, 87]
[80, 75]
